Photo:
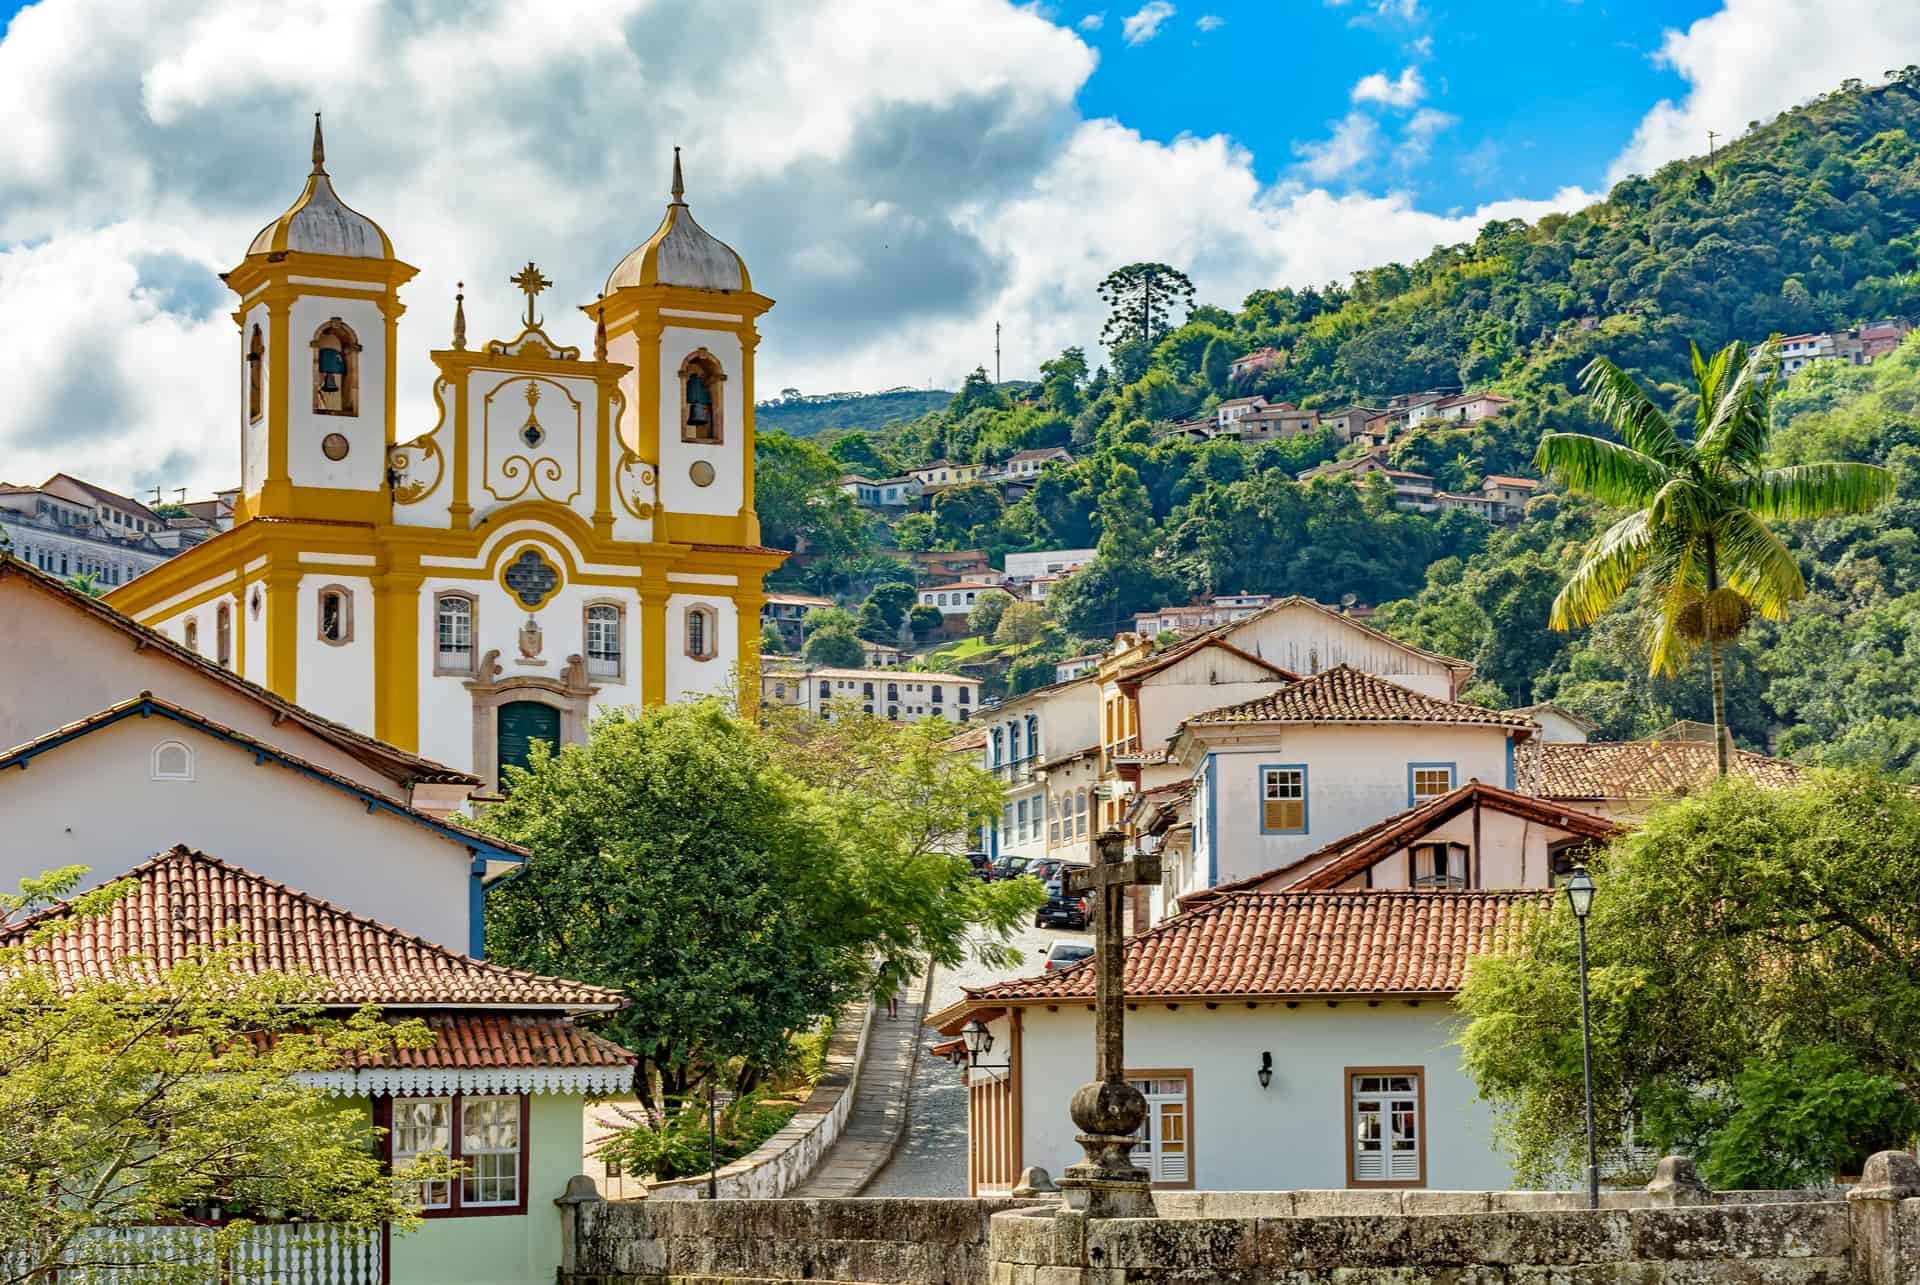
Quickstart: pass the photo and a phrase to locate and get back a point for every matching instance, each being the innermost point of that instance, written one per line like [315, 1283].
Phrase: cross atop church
[531, 283]
[1109, 1111]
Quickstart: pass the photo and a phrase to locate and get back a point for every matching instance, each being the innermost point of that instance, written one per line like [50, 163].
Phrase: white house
[1280, 776]
[955, 601]
[886, 493]
[1028, 734]
[1228, 413]
[1047, 562]
[898, 695]
[1282, 1040]
[1024, 466]
[1557, 724]
[1306, 637]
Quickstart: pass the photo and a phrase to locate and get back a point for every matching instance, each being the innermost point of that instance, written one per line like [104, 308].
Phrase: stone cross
[1109, 1111]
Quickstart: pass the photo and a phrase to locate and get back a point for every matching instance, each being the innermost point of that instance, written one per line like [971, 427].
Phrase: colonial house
[1229, 412]
[1029, 738]
[944, 473]
[897, 695]
[1274, 422]
[1350, 422]
[1307, 637]
[1218, 610]
[881, 655]
[1469, 408]
[1282, 1040]
[1047, 562]
[885, 493]
[955, 601]
[1509, 494]
[1627, 779]
[1277, 777]
[785, 611]
[1557, 724]
[64, 530]
[1256, 361]
[1074, 666]
[1411, 490]
[1482, 506]
[502, 1089]
[1025, 466]
[942, 566]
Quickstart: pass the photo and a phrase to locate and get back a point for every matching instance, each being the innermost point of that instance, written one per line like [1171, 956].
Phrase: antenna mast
[996, 354]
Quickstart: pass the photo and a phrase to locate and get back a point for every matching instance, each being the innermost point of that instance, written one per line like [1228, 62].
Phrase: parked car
[1045, 869]
[980, 864]
[1063, 909]
[1009, 867]
[1062, 953]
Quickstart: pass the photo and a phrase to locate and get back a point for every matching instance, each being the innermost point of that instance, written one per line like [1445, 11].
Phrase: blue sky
[900, 175]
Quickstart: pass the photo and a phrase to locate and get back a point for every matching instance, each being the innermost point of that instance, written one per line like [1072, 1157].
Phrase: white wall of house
[1306, 640]
[1512, 853]
[266, 818]
[1292, 1134]
[1356, 775]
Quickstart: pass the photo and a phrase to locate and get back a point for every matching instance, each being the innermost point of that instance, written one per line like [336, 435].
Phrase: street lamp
[1265, 1073]
[1580, 892]
[978, 1038]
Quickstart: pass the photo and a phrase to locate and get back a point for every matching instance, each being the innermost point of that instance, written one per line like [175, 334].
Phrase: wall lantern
[978, 1038]
[1265, 1073]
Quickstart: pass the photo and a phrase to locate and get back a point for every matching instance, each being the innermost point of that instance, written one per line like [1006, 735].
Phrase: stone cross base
[1107, 1190]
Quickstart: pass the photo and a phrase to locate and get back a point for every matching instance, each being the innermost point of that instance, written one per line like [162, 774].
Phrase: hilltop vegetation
[805, 416]
[1809, 222]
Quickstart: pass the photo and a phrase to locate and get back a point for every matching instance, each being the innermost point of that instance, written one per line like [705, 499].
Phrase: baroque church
[574, 532]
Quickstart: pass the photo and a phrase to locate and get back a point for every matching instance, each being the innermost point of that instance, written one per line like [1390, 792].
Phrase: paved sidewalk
[879, 1105]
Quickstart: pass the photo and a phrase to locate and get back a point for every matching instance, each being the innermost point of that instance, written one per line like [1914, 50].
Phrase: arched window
[606, 652]
[336, 615]
[702, 632]
[893, 691]
[1080, 813]
[700, 398]
[256, 376]
[223, 634]
[1033, 735]
[172, 761]
[193, 636]
[454, 617]
[336, 369]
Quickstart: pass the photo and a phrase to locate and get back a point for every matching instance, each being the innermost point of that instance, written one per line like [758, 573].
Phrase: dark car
[1045, 869]
[1063, 909]
[980, 865]
[1009, 867]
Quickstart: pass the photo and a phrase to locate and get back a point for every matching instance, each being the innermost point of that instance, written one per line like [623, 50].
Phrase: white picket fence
[269, 1254]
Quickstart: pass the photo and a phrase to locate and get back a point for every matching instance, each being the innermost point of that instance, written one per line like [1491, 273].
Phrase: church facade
[576, 531]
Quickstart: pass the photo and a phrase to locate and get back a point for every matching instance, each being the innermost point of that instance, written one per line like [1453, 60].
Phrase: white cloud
[1754, 57]
[1416, 141]
[1352, 145]
[897, 186]
[1407, 11]
[1145, 23]
[1402, 91]
[1093, 21]
[1210, 22]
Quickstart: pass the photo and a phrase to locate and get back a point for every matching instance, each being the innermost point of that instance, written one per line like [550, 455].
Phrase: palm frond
[1816, 490]
[1608, 471]
[1737, 431]
[1625, 406]
[1681, 504]
[1753, 560]
[1606, 568]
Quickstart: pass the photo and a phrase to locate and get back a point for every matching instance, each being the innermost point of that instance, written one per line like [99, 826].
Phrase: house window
[1440, 865]
[1080, 814]
[490, 1145]
[995, 741]
[866, 691]
[605, 652]
[1053, 818]
[424, 1127]
[893, 691]
[966, 695]
[1386, 1110]
[700, 401]
[701, 632]
[336, 615]
[1020, 821]
[256, 376]
[483, 1134]
[336, 369]
[1006, 823]
[223, 634]
[939, 694]
[1283, 799]
[826, 689]
[1165, 1146]
[1428, 781]
[172, 761]
[453, 633]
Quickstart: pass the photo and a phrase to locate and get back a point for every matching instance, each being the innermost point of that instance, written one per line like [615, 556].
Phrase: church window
[193, 634]
[453, 615]
[605, 650]
[336, 369]
[336, 615]
[172, 761]
[223, 634]
[701, 632]
[700, 398]
[256, 602]
[256, 376]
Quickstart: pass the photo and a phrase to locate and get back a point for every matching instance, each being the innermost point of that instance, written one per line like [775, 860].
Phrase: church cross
[531, 283]
[1106, 882]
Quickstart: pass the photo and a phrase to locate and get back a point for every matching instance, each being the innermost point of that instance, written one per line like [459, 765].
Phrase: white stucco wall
[1355, 777]
[690, 679]
[253, 433]
[503, 469]
[1308, 641]
[677, 489]
[365, 465]
[1292, 1134]
[265, 818]
[334, 679]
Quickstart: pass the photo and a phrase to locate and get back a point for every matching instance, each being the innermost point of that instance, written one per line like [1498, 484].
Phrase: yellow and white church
[574, 533]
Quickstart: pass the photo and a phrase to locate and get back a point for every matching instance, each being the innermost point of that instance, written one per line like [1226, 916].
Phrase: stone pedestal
[1107, 1184]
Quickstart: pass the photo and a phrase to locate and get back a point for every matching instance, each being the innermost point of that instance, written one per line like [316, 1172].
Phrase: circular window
[334, 446]
[701, 473]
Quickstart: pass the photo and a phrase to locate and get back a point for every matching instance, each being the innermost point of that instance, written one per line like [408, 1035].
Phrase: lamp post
[713, 1145]
[1580, 891]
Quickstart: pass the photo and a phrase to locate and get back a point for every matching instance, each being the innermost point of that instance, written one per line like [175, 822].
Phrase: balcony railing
[269, 1254]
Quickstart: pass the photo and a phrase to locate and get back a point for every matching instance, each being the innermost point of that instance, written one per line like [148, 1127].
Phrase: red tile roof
[1256, 945]
[1641, 769]
[502, 1041]
[1344, 694]
[182, 901]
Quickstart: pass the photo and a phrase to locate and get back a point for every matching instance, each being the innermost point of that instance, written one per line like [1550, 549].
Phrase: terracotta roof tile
[1344, 694]
[1261, 944]
[1641, 769]
[503, 1041]
[183, 900]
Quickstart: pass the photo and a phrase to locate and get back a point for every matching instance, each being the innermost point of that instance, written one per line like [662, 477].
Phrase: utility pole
[1710, 137]
[996, 354]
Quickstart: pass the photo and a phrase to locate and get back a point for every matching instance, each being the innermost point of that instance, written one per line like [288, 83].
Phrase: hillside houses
[1858, 346]
[1014, 476]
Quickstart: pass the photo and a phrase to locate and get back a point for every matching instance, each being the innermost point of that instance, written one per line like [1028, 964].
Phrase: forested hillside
[1808, 223]
[805, 416]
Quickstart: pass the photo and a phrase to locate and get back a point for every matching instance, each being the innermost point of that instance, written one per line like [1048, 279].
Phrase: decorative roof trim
[428, 1081]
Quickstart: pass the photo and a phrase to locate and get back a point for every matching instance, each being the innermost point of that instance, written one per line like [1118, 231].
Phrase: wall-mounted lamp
[979, 1041]
[1265, 1073]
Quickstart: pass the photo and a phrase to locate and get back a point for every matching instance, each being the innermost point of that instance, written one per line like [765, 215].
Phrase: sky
[898, 176]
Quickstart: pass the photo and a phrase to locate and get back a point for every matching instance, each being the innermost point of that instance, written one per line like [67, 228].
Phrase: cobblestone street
[932, 1157]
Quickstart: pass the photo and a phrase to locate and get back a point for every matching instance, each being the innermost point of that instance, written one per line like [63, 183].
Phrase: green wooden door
[521, 724]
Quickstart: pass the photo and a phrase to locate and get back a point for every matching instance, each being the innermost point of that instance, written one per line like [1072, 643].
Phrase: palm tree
[1699, 508]
[88, 583]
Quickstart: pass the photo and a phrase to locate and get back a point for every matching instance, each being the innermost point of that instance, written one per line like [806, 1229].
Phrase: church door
[521, 724]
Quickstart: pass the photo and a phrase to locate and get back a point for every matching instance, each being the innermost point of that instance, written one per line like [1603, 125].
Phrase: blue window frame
[1429, 781]
[1283, 798]
[996, 748]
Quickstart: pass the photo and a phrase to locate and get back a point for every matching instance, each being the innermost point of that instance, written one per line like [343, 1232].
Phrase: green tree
[1700, 507]
[1021, 623]
[1063, 380]
[977, 391]
[795, 497]
[772, 641]
[834, 647]
[860, 453]
[1754, 1004]
[959, 512]
[1140, 298]
[915, 532]
[989, 605]
[88, 583]
[130, 1096]
[892, 599]
[1216, 365]
[924, 621]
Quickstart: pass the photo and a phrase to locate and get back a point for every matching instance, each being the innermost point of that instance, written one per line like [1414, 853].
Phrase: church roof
[681, 253]
[320, 222]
